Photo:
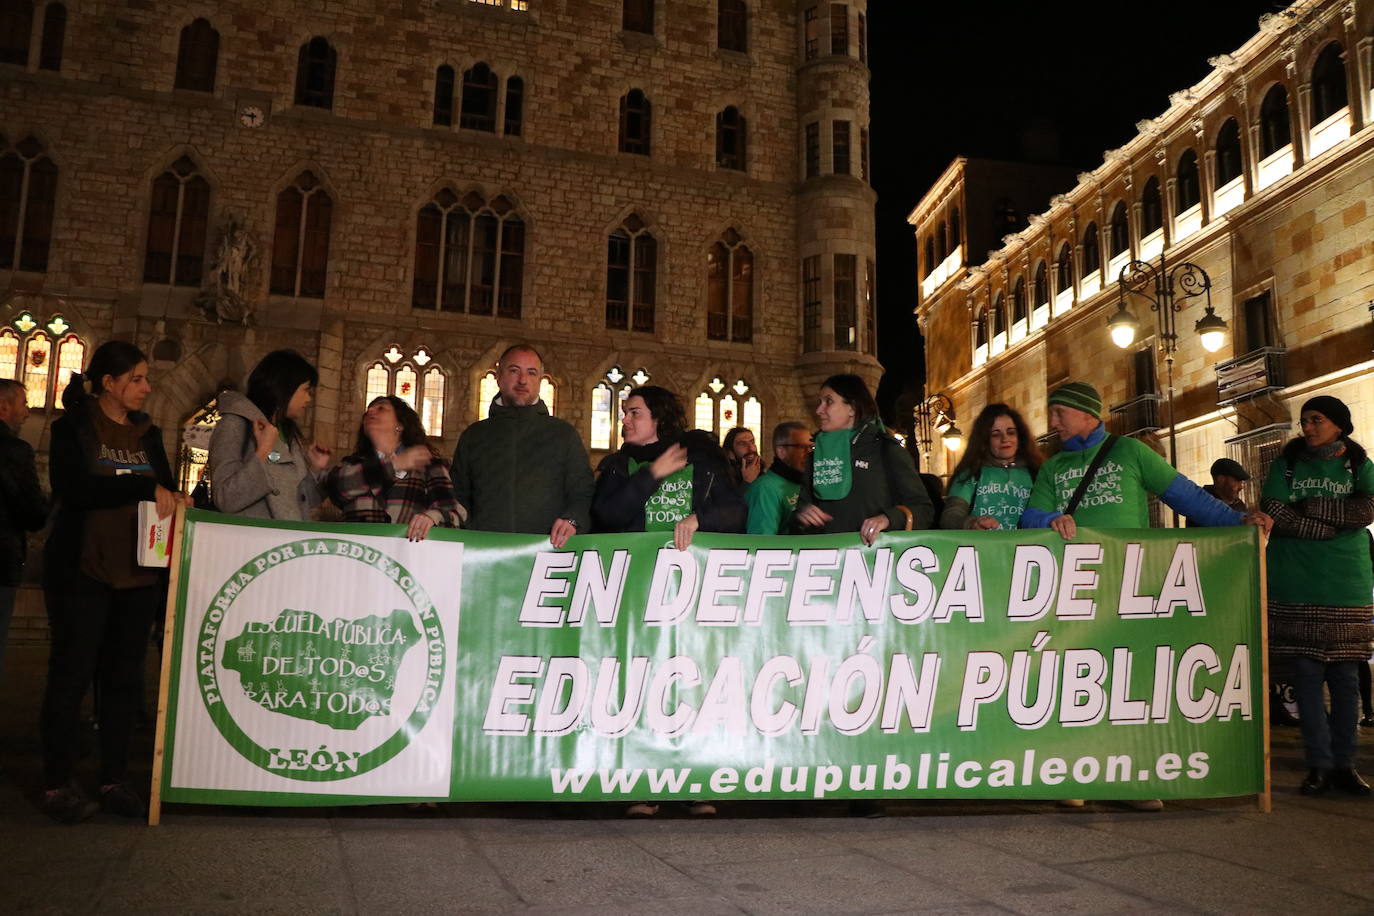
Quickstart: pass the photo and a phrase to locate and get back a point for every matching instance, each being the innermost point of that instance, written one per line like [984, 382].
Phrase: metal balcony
[1135, 417]
[1250, 375]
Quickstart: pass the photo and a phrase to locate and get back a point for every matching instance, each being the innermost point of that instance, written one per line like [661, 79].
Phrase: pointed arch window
[41, 357]
[178, 221]
[16, 28]
[608, 398]
[1329, 91]
[479, 99]
[1228, 158]
[469, 255]
[1120, 233]
[316, 66]
[414, 378]
[636, 122]
[197, 57]
[1092, 251]
[720, 408]
[28, 199]
[443, 96]
[1276, 128]
[730, 289]
[731, 139]
[515, 106]
[732, 25]
[300, 244]
[54, 36]
[631, 276]
[1188, 188]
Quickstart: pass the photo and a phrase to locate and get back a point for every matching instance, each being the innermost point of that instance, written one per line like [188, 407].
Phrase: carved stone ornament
[224, 298]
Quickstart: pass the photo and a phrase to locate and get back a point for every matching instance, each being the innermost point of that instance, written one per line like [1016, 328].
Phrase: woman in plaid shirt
[393, 476]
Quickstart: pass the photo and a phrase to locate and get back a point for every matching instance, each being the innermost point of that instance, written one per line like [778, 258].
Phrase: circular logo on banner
[341, 671]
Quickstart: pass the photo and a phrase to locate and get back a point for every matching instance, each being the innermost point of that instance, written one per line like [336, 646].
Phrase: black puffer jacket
[23, 504]
[884, 478]
[618, 503]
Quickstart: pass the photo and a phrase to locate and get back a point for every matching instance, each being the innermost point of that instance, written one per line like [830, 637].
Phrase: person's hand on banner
[419, 527]
[167, 501]
[560, 532]
[1260, 520]
[1066, 526]
[872, 527]
[683, 531]
[986, 523]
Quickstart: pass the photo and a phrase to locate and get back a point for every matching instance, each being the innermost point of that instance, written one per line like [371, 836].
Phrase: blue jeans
[1328, 740]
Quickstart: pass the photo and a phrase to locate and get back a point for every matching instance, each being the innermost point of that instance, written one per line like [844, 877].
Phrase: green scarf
[832, 474]
[671, 502]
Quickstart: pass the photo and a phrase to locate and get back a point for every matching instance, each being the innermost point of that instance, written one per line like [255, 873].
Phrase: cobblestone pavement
[1312, 855]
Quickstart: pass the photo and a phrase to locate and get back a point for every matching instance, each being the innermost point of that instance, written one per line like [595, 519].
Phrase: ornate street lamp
[1164, 287]
[936, 415]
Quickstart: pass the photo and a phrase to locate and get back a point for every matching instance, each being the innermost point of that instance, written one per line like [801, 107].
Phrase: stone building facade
[673, 188]
[1262, 174]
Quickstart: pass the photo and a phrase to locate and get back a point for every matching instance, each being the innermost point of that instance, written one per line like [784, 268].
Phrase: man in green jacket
[521, 469]
[772, 498]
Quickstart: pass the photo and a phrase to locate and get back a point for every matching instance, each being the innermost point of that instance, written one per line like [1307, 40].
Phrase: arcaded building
[643, 189]
[1262, 175]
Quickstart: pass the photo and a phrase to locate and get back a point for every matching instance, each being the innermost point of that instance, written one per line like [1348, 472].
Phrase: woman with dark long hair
[1320, 493]
[260, 466]
[393, 476]
[105, 457]
[665, 477]
[859, 478]
[992, 482]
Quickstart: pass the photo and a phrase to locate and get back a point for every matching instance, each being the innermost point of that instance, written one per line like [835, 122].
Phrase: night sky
[1051, 82]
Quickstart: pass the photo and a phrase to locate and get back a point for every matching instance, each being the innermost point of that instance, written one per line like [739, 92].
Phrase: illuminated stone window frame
[730, 289]
[487, 276]
[487, 389]
[28, 223]
[415, 378]
[58, 352]
[178, 229]
[607, 400]
[719, 408]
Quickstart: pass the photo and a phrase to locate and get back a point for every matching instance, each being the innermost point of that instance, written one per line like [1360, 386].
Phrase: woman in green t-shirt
[992, 482]
[1320, 493]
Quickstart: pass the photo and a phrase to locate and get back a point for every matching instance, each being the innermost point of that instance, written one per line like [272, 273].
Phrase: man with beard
[521, 469]
[773, 496]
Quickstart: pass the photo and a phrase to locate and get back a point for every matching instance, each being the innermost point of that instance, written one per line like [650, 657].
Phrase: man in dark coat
[23, 504]
[522, 470]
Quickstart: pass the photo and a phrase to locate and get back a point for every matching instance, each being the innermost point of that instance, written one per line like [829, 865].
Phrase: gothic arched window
[636, 122]
[39, 347]
[28, 200]
[469, 255]
[414, 378]
[300, 244]
[730, 289]
[178, 224]
[197, 57]
[608, 397]
[631, 276]
[719, 409]
[479, 99]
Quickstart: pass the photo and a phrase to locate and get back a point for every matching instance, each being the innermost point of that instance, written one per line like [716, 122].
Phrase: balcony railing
[1250, 375]
[1136, 416]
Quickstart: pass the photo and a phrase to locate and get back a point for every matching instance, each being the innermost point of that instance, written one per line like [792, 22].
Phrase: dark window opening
[515, 107]
[197, 57]
[1228, 160]
[636, 121]
[315, 68]
[732, 25]
[1329, 92]
[1276, 129]
[1188, 187]
[478, 111]
[444, 79]
[54, 34]
[731, 139]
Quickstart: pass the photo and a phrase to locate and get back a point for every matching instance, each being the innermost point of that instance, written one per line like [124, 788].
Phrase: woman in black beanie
[1320, 493]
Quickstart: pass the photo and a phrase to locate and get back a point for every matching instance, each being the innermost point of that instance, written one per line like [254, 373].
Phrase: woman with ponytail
[105, 457]
[260, 465]
[1320, 493]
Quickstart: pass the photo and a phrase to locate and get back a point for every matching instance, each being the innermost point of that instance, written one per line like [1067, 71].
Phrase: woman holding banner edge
[1320, 493]
[995, 475]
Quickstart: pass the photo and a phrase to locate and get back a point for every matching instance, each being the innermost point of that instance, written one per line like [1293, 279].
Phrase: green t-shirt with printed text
[1337, 572]
[671, 502]
[1001, 493]
[1117, 496]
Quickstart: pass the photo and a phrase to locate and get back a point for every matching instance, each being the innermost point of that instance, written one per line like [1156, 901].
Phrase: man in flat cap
[1228, 480]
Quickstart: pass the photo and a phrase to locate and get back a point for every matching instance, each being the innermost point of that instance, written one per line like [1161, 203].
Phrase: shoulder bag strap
[1100, 457]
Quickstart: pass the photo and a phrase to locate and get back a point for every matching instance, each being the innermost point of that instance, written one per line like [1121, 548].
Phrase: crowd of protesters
[523, 470]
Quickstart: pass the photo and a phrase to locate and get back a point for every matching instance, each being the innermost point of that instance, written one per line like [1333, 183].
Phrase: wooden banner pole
[168, 647]
[1266, 798]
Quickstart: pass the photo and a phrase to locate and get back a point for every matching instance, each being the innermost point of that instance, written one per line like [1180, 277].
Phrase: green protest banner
[342, 664]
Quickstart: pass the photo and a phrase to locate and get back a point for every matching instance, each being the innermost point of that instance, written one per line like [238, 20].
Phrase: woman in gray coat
[259, 465]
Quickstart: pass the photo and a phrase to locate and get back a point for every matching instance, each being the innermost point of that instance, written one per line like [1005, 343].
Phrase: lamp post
[932, 415]
[1164, 286]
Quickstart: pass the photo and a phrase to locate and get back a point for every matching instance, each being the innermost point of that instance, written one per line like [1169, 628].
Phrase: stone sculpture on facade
[236, 257]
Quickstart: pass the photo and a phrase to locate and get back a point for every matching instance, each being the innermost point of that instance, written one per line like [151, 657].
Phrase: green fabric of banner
[1119, 665]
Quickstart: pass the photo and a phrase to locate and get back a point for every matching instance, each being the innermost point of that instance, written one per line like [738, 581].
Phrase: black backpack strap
[1100, 457]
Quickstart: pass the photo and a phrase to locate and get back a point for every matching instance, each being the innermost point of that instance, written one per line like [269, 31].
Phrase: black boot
[1348, 781]
[1316, 783]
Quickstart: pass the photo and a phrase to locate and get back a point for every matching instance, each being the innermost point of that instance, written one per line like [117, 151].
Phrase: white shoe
[1070, 803]
[1145, 804]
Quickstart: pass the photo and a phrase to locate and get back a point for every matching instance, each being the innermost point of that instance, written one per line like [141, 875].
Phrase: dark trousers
[98, 633]
[8, 595]
[1328, 741]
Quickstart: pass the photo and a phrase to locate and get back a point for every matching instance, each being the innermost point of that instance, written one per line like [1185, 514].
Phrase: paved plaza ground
[1309, 855]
